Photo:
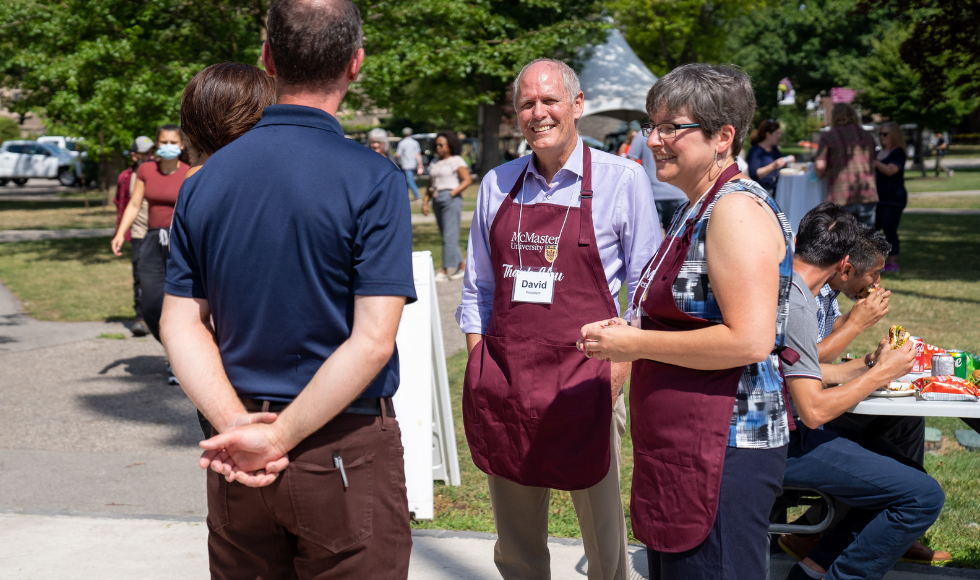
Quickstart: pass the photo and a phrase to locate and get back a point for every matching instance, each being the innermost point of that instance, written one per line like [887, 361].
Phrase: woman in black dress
[890, 180]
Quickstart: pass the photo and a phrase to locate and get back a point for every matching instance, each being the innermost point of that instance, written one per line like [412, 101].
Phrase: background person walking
[140, 152]
[846, 155]
[409, 157]
[450, 176]
[159, 183]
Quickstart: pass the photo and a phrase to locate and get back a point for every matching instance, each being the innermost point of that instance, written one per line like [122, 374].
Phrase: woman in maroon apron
[709, 421]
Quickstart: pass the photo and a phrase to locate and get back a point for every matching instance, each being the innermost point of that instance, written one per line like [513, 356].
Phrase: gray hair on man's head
[568, 78]
[407, 131]
[713, 96]
[378, 134]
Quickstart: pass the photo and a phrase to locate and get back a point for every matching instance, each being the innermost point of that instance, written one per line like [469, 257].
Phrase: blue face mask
[169, 151]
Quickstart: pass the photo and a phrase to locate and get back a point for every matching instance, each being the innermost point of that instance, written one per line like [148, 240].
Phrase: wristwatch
[868, 361]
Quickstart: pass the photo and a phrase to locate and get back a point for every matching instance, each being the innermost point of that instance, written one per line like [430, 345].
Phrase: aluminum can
[919, 365]
[942, 364]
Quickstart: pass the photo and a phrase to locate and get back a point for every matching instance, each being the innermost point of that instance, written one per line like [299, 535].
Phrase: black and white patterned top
[759, 418]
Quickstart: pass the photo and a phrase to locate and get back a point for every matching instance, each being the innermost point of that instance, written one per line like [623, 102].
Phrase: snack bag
[946, 388]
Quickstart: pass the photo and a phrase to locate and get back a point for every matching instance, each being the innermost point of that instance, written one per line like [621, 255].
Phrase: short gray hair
[407, 131]
[378, 134]
[568, 78]
[713, 96]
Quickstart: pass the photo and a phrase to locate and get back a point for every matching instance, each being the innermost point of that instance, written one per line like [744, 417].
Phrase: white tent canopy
[615, 81]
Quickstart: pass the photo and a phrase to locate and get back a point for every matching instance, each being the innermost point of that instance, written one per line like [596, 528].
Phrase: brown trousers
[520, 513]
[308, 524]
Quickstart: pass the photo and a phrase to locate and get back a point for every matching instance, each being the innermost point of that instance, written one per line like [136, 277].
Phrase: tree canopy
[668, 33]
[440, 61]
[116, 68]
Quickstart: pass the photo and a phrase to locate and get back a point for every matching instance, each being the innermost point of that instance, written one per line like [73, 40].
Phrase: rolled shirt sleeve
[473, 313]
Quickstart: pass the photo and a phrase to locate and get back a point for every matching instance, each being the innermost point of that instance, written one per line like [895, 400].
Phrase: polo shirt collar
[300, 116]
[572, 165]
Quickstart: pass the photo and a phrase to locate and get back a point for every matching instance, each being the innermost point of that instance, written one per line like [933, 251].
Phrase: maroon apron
[536, 410]
[680, 418]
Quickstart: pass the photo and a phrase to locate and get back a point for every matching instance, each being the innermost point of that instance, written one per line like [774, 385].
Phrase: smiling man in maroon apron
[554, 237]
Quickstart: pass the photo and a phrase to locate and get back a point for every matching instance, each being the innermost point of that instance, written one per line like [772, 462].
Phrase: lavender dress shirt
[624, 216]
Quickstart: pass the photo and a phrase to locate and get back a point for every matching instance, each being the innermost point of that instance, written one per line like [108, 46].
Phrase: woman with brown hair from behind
[220, 104]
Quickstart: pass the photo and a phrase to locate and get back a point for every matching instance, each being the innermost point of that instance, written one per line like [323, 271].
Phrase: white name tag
[535, 287]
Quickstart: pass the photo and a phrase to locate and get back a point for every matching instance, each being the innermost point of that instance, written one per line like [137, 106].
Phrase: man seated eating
[892, 503]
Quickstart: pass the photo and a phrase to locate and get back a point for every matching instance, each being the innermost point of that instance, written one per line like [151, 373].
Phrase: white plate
[890, 393]
[912, 376]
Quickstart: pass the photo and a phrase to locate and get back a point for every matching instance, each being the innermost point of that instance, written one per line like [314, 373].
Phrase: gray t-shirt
[661, 191]
[801, 333]
[407, 151]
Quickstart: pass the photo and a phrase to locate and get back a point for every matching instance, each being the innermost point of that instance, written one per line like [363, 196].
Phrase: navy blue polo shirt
[278, 231]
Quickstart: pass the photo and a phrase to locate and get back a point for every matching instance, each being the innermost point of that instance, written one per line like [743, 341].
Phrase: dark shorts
[308, 524]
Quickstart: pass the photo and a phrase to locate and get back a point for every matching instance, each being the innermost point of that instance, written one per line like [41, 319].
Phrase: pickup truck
[22, 160]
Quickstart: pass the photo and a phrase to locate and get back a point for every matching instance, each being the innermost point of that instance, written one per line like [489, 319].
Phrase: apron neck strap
[729, 172]
[585, 212]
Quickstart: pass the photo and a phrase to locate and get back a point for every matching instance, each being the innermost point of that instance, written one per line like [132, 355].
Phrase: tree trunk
[490, 137]
[105, 171]
[918, 162]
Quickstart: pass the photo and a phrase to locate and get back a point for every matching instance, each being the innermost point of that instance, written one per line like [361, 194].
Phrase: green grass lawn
[962, 180]
[54, 215]
[69, 280]
[958, 202]
[963, 151]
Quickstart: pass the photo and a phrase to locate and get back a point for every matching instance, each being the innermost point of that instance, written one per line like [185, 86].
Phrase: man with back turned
[296, 242]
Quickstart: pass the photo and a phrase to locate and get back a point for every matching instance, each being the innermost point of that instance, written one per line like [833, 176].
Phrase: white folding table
[913, 406]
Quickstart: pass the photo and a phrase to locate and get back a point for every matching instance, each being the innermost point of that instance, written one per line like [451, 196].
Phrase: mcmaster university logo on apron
[550, 252]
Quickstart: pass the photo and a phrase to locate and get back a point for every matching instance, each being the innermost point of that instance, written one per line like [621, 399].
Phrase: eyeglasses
[884, 133]
[666, 130]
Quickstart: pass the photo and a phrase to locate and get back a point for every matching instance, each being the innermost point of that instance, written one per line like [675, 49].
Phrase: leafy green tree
[815, 44]
[108, 70]
[668, 33]
[8, 129]
[891, 87]
[450, 62]
[941, 44]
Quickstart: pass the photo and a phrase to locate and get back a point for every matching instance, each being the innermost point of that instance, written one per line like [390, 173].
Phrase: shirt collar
[572, 165]
[827, 292]
[300, 116]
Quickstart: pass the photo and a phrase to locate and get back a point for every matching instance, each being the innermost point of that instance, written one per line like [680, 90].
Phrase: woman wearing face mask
[158, 182]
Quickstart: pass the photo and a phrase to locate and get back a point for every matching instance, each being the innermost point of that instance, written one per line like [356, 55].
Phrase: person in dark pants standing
[140, 151]
[890, 181]
[296, 243]
[941, 147]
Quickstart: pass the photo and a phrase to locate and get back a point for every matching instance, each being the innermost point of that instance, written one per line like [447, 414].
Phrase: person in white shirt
[408, 154]
[450, 176]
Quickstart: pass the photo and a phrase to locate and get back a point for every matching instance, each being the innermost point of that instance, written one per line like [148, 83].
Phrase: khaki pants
[521, 515]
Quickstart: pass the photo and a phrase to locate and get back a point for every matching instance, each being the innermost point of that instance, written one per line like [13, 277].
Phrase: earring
[719, 165]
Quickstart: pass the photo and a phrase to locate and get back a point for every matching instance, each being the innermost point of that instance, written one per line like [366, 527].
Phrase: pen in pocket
[339, 463]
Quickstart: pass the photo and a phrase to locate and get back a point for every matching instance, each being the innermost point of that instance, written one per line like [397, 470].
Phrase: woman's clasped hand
[613, 340]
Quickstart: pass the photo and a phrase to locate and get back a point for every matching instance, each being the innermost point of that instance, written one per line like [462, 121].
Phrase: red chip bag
[946, 388]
